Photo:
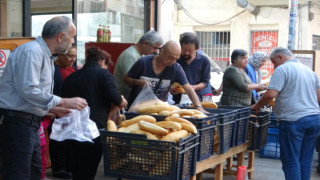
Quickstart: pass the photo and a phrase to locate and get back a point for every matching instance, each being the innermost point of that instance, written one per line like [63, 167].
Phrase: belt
[19, 114]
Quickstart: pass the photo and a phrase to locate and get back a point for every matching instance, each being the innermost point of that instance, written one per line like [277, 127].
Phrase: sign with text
[4, 54]
[264, 41]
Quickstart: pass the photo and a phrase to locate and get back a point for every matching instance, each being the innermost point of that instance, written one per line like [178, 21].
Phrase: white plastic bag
[146, 95]
[76, 126]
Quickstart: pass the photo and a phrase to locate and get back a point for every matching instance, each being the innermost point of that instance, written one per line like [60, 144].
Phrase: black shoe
[62, 174]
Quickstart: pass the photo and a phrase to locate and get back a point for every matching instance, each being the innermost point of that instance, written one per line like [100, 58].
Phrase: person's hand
[124, 103]
[255, 108]
[60, 111]
[262, 87]
[50, 116]
[74, 103]
[200, 108]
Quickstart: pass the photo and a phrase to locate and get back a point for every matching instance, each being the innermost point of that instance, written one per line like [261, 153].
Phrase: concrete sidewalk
[265, 169]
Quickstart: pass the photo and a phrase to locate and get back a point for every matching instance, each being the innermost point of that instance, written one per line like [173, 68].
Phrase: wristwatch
[198, 105]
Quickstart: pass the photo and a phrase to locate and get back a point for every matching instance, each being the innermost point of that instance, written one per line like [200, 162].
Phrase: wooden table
[218, 161]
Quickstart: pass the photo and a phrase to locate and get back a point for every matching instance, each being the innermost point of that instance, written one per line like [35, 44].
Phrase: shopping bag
[76, 126]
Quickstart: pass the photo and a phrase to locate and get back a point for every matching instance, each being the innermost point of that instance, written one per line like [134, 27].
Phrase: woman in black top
[96, 85]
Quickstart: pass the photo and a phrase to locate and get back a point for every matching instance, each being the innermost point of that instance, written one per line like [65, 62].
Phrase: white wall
[271, 17]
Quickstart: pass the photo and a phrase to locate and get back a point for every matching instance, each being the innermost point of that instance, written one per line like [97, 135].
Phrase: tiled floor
[265, 169]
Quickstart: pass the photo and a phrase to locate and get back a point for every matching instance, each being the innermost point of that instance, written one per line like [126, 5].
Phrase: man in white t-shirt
[297, 91]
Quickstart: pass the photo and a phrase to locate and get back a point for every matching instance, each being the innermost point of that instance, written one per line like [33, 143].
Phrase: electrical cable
[200, 22]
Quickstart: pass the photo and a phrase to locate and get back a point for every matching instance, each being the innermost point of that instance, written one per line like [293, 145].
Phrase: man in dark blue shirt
[195, 65]
[151, 68]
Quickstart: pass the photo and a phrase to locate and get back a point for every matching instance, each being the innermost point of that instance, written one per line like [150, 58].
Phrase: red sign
[3, 58]
[264, 41]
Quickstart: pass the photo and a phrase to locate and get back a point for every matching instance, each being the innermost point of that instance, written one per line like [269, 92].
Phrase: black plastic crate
[134, 156]
[272, 148]
[240, 125]
[226, 119]
[258, 130]
[241, 111]
[205, 126]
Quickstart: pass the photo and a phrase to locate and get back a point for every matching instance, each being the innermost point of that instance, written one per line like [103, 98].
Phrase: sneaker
[62, 174]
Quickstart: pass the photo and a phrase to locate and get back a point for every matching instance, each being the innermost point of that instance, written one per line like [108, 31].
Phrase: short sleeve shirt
[143, 69]
[297, 86]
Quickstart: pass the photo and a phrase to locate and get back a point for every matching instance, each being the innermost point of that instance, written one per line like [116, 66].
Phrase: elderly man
[152, 68]
[297, 91]
[149, 43]
[26, 96]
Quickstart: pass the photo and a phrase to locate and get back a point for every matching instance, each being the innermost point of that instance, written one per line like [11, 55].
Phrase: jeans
[19, 148]
[297, 144]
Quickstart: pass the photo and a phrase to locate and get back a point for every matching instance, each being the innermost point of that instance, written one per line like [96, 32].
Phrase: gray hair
[151, 37]
[280, 50]
[56, 25]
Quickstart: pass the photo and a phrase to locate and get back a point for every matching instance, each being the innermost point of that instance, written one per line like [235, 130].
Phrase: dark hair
[237, 53]
[56, 25]
[189, 38]
[95, 54]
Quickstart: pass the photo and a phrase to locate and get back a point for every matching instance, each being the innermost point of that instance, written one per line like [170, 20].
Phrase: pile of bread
[158, 107]
[171, 129]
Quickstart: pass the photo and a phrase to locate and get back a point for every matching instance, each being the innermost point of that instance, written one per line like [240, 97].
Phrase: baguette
[164, 113]
[149, 135]
[184, 112]
[175, 136]
[210, 105]
[111, 126]
[178, 120]
[175, 115]
[134, 120]
[130, 128]
[170, 125]
[174, 108]
[152, 128]
[189, 127]
[154, 108]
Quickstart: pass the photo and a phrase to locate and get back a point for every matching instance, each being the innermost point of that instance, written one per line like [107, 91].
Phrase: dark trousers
[20, 148]
[84, 158]
[58, 156]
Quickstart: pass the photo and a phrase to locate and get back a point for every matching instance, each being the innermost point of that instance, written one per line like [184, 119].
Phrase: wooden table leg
[240, 160]
[251, 155]
[219, 172]
[229, 163]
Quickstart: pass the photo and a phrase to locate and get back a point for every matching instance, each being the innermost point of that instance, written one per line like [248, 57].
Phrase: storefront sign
[264, 41]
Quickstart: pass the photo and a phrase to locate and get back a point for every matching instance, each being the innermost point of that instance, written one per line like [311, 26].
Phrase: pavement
[265, 169]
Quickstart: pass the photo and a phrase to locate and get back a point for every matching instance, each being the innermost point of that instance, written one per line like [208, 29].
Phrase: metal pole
[292, 23]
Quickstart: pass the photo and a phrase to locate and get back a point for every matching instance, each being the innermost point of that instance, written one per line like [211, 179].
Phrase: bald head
[170, 53]
[172, 46]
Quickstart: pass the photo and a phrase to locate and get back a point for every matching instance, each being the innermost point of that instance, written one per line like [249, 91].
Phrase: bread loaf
[152, 128]
[130, 128]
[136, 119]
[164, 113]
[170, 125]
[189, 127]
[111, 126]
[154, 108]
[177, 119]
[175, 115]
[149, 135]
[177, 88]
[175, 136]
[210, 105]
[184, 112]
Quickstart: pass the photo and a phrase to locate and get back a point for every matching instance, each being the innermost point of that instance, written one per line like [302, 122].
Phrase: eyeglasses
[71, 56]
